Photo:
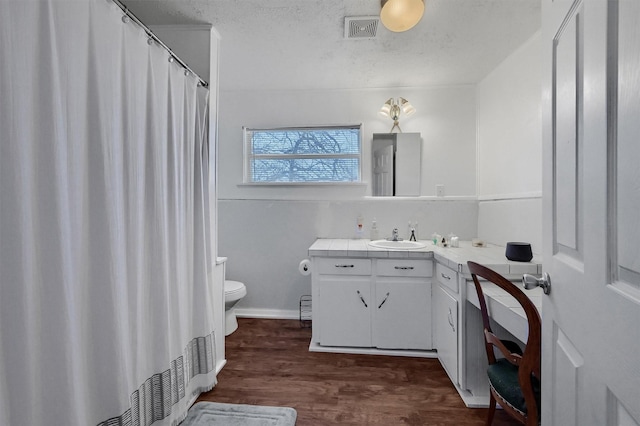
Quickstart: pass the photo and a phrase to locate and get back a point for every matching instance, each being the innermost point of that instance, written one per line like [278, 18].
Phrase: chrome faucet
[394, 235]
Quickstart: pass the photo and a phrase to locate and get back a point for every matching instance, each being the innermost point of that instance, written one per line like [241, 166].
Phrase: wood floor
[268, 363]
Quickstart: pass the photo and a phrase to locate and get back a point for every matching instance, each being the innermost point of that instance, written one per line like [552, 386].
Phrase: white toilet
[234, 291]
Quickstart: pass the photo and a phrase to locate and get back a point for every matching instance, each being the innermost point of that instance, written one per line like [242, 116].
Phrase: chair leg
[492, 410]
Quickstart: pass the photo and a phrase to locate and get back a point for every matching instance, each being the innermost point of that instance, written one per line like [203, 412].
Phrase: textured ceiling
[300, 44]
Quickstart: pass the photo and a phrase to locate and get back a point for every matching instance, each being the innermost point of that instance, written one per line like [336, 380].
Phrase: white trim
[304, 184]
[626, 290]
[394, 198]
[471, 401]
[315, 347]
[184, 27]
[220, 365]
[422, 198]
[267, 313]
[516, 196]
[248, 156]
[353, 90]
[477, 135]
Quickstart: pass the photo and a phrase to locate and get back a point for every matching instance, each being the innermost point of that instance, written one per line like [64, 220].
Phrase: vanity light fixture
[393, 108]
[401, 15]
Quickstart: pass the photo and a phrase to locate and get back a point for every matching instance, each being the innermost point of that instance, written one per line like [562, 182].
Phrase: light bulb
[401, 15]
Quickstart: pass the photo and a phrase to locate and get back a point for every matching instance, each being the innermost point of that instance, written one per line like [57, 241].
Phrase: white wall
[510, 149]
[489, 134]
[266, 231]
[192, 44]
[445, 118]
[265, 240]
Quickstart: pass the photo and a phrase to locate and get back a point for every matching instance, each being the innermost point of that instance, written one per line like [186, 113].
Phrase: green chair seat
[503, 377]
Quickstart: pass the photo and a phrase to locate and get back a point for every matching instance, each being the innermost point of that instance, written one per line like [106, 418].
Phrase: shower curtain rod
[150, 33]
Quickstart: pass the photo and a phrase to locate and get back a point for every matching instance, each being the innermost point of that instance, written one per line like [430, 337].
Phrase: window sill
[302, 184]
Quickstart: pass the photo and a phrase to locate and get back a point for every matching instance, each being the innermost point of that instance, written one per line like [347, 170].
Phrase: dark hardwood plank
[268, 363]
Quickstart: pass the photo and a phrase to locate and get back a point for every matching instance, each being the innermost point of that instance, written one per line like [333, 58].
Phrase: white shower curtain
[106, 313]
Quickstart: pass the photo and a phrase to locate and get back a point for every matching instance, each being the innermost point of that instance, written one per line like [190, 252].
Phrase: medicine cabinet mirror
[396, 164]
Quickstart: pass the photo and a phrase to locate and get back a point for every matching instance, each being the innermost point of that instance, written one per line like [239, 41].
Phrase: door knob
[529, 282]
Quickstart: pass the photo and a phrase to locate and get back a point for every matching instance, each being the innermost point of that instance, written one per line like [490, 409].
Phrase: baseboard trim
[315, 347]
[267, 313]
[220, 365]
[473, 401]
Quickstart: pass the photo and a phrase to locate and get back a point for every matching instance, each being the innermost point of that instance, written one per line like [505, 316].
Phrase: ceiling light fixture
[401, 15]
[393, 108]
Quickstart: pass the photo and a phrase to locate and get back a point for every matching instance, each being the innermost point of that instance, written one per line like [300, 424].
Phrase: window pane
[306, 170]
[306, 141]
[303, 154]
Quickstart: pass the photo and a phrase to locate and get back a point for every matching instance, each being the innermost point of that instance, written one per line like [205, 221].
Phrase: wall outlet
[440, 190]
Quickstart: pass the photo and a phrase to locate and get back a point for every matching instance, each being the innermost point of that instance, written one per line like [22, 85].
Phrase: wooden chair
[514, 380]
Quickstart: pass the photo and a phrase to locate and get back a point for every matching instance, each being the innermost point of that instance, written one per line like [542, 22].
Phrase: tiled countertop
[503, 308]
[456, 258]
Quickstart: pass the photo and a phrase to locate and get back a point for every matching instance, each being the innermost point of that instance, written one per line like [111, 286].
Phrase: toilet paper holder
[305, 267]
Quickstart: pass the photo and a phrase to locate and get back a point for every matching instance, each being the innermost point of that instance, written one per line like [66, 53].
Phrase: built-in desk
[509, 321]
[468, 370]
[504, 308]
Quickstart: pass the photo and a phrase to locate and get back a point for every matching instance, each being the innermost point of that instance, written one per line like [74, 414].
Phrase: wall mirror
[396, 164]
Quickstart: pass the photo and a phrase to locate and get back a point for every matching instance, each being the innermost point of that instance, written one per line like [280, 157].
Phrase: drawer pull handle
[450, 318]
[404, 267]
[385, 299]
[362, 298]
[344, 266]
[447, 277]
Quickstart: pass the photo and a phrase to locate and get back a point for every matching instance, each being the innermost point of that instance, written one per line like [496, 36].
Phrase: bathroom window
[303, 154]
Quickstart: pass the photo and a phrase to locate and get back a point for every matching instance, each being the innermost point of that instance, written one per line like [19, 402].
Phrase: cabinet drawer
[343, 266]
[405, 268]
[447, 277]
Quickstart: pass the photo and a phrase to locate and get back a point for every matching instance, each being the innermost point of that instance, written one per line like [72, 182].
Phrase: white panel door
[591, 205]
[383, 171]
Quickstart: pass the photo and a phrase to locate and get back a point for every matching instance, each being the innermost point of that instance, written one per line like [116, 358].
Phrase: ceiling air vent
[360, 27]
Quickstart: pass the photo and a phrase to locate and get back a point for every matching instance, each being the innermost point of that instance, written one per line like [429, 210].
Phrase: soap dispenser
[359, 226]
[373, 233]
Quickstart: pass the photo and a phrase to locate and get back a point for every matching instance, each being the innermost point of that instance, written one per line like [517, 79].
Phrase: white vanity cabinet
[372, 303]
[401, 312]
[342, 302]
[445, 311]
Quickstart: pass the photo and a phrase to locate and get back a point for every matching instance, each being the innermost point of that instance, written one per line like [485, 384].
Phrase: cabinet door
[408, 164]
[343, 311]
[402, 314]
[446, 329]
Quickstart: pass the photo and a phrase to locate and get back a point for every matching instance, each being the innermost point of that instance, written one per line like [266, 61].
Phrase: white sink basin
[397, 245]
